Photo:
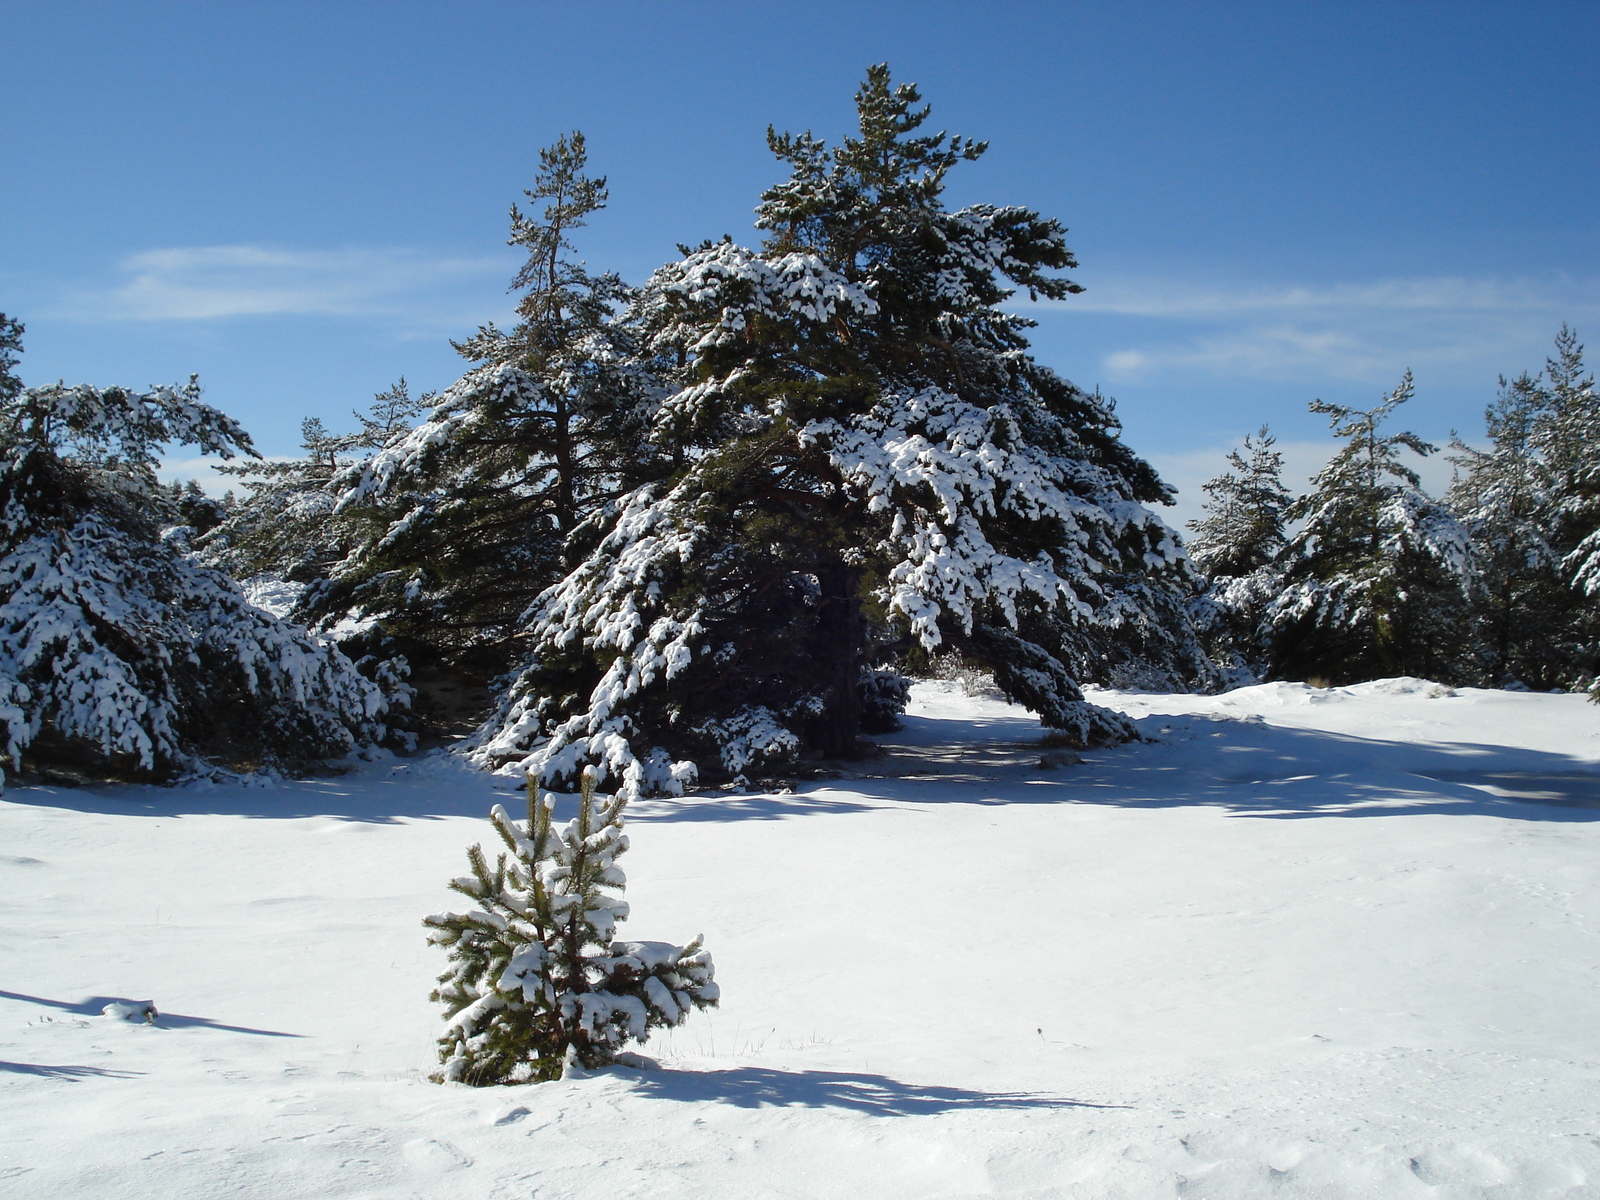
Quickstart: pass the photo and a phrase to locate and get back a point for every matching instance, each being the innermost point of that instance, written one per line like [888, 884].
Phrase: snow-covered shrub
[114, 641]
[883, 699]
[1230, 617]
[538, 982]
[753, 741]
[972, 679]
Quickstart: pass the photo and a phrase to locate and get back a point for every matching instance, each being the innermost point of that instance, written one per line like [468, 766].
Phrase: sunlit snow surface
[1307, 943]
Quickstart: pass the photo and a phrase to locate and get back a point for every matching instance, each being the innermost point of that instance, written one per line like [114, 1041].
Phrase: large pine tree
[284, 525]
[863, 457]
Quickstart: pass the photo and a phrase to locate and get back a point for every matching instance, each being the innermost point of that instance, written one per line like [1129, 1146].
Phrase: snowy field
[1305, 944]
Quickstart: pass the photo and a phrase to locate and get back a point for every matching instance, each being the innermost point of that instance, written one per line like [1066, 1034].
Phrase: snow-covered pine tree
[1507, 498]
[114, 642]
[285, 534]
[391, 414]
[866, 458]
[538, 982]
[198, 513]
[1242, 529]
[10, 354]
[1568, 439]
[1373, 581]
[466, 516]
[283, 526]
[1237, 544]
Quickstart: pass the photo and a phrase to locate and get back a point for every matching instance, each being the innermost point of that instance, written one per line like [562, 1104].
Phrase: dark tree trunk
[566, 490]
[837, 646]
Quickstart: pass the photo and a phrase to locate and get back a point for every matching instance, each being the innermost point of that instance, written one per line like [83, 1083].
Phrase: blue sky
[1271, 203]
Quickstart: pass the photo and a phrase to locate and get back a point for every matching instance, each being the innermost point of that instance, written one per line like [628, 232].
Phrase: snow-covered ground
[1308, 944]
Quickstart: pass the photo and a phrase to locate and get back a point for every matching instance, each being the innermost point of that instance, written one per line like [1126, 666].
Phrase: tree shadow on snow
[809, 801]
[1247, 767]
[1254, 769]
[421, 789]
[875, 1095]
[69, 1072]
[1257, 770]
[93, 1006]
[410, 793]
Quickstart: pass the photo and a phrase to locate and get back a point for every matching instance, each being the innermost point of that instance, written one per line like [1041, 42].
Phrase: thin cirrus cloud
[1351, 331]
[205, 283]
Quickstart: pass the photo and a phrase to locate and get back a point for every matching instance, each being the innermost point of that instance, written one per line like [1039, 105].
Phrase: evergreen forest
[700, 529]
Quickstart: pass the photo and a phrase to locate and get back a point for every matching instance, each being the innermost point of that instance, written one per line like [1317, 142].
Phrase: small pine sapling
[537, 985]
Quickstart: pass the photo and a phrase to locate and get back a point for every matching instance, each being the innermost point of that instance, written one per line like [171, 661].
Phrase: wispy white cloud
[216, 282]
[1364, 331]
[1264, 351]
[1170, 298]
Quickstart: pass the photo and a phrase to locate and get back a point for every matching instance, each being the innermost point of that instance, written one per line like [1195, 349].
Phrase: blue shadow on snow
[69, 1072]
[94, 1004]
[1248, 768]
[875, 1095]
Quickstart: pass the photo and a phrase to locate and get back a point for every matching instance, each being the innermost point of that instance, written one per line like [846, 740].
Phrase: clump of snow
[131, 1010]
[1404, 685]
[1284, 693]
[272, 594]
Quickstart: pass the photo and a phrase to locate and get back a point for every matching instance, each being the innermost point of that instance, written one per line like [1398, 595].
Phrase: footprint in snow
[429, 1154]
